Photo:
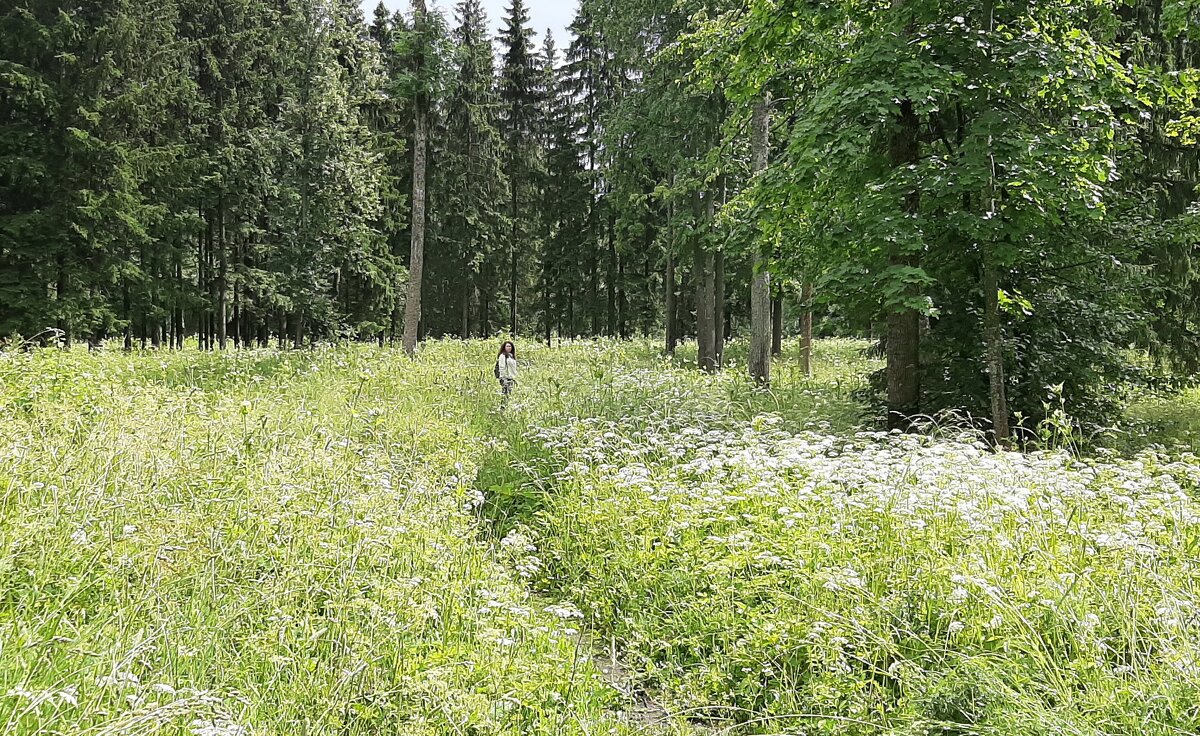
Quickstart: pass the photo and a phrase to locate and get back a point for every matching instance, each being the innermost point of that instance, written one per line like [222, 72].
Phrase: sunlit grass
[771, 570]
[262, 544]
[344, 541]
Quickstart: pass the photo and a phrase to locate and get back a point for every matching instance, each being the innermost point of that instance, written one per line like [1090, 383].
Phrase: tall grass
[343, 541]
[769, 569]
[263, 543]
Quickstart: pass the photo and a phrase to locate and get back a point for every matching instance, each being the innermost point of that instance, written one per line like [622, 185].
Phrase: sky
[553, 14]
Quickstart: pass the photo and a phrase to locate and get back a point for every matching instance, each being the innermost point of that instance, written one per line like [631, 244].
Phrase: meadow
[346, 541]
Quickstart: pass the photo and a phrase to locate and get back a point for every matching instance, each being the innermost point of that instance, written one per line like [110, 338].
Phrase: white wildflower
[219, 727]
[565, 611]
[118, 678]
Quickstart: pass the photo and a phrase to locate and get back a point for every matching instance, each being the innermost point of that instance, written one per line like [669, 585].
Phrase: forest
[1003, 195]
[852, 389]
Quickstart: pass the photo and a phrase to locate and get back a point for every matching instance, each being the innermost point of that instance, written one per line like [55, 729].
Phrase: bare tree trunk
[416, 268]
[760, 322]
[485, 301]
[467, 288]
[719, 307]
[611, 278]
[903, 342]
[806, 329]
[759, 362]
[994, 336]
[222, 279]
[992, 330]
[128, 317]
[570, 314]
[777, 325]
[904, 324]
[180, 320]
[706, 291]
[547, 320]
[512, 287]
[622, 301]
[706, 357]
[298, 340]
[202, 284]
[593, 295]
[669, 308]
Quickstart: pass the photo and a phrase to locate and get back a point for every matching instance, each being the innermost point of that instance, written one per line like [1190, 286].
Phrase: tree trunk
[777, 325]
[670, 316]
[704, 277]
[298, 340]
[202, 285]
[467, 288]
[904, 323]
[180, 325]
[547, 319]
[759, 362]
[706, 357]
[570, 314]
[719, 307]
[222, 284]
[416, 267]
[992, 330]
[593, 297]
[512, 290]
[485, 303]
[994, 336]
[622, 301]
[806, 329]
[611, 277]
[128, 316]
[647, 310]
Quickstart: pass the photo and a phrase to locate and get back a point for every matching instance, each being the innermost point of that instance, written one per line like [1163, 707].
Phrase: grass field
[344, 541]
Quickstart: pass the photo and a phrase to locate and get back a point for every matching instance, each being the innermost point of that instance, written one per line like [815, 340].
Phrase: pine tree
[72, 125]
[473, 185]
[586, 82]
[565, 202]
[518, 94]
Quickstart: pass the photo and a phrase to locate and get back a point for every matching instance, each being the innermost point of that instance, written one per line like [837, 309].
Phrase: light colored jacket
[507, 366]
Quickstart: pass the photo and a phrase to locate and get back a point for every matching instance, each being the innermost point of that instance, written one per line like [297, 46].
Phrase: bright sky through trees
[553, 14]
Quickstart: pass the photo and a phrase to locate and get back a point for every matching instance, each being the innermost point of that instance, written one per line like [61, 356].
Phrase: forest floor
[345, 541]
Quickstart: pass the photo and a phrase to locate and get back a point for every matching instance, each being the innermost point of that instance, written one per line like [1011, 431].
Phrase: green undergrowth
[1167, 420]
[266, 543]
[770, 568]
[344, 541]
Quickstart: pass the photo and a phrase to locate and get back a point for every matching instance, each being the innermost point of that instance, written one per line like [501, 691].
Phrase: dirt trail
[643, 711]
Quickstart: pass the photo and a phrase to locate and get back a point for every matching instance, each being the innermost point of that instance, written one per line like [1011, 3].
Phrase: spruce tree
[565, 204]
[518, 93]
[473, 186]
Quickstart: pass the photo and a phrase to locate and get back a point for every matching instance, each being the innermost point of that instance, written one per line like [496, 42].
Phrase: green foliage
[471, 185]
[1023, 119]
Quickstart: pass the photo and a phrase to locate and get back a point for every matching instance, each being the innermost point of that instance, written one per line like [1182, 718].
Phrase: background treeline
[1003, 192]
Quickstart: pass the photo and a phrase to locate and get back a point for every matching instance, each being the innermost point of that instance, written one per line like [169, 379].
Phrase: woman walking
[506, 369]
